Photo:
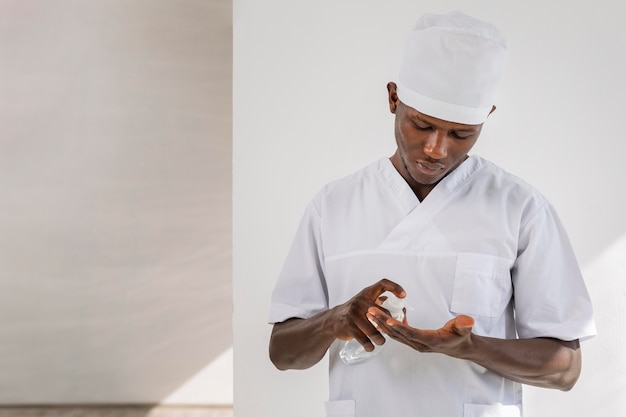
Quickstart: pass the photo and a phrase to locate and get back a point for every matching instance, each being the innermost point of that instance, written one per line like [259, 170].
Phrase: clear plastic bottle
[353, 352]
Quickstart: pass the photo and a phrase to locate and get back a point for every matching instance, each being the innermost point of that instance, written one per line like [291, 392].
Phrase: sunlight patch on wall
[599, 391]
[212, 385]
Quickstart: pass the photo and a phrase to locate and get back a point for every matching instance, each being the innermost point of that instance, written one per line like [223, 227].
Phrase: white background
[310, 106]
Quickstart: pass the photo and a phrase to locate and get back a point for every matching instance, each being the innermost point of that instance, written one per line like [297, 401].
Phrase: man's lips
[430, 168]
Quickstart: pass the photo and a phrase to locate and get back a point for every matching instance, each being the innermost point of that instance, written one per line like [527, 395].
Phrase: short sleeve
[551, 299]
[300, 291]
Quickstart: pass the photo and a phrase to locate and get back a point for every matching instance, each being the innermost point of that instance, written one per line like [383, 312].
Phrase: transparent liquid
[353, 352]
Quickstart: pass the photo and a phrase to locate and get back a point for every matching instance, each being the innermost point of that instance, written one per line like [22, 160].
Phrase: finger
[365, 342]
[401, 332]
[387, 285]
[363, 327]
[370, 336]
[463, 321]
[380, 300]
[382, 318]
[460, 325]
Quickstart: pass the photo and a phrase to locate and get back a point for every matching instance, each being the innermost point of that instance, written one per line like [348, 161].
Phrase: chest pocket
[482, 287]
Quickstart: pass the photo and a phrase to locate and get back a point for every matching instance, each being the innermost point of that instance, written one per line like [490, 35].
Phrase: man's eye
[422, 127]
[457, 136]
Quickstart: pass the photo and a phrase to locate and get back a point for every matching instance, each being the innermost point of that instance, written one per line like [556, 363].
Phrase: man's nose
[435, 146]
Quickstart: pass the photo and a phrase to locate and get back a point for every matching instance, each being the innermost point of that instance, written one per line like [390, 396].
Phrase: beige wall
[115, 201]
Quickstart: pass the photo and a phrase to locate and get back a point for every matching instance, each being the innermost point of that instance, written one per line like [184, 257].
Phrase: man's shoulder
[506, 177]
[355, 179]
[502, 183]
[365, 180]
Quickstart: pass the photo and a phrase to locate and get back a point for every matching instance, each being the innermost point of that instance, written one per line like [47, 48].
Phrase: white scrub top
[483, 243]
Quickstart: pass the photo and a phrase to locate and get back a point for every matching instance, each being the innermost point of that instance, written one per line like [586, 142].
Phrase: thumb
[463, 324]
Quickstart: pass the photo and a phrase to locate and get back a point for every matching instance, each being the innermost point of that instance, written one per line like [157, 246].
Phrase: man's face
[428, 148]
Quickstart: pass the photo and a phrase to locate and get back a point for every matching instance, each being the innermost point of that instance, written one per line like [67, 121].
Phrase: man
[498, 298]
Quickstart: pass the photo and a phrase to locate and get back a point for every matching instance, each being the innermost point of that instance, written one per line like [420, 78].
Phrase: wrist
[470, 349]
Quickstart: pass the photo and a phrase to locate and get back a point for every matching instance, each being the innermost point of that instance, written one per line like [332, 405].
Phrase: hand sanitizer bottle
[353, 352]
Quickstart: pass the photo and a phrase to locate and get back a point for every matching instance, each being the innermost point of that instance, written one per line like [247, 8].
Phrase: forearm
[542, 362]
[301, 343]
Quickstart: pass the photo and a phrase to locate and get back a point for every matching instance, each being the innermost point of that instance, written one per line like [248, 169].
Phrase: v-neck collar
[407, 198]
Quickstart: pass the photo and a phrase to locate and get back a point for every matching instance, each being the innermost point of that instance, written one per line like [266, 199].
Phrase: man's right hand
[351, 320]
[301, 343]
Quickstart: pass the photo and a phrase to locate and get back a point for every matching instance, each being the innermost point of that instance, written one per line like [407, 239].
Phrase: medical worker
[496, 297]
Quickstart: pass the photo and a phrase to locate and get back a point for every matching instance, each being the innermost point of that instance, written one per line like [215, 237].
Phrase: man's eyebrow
[417, 117]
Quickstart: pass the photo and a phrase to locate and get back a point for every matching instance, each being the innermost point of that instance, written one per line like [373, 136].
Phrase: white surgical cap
[452, 67]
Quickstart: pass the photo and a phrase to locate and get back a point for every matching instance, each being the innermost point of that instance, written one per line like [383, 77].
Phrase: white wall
[115, 201]
[310, 105]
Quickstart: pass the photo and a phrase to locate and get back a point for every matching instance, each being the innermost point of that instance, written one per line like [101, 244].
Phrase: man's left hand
[452, 339]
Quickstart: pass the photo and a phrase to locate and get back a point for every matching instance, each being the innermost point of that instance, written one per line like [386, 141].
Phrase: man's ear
[393, 97]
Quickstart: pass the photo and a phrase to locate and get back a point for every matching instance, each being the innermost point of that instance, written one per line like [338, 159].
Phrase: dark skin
[428, 149]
